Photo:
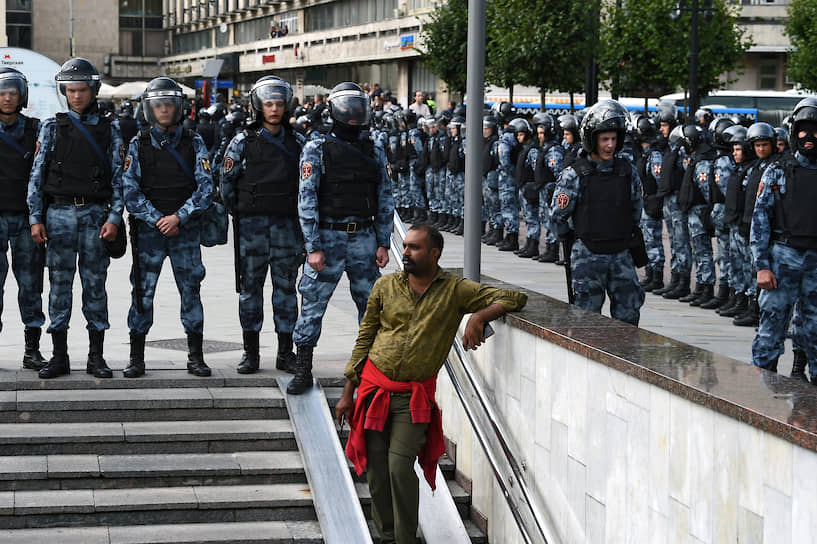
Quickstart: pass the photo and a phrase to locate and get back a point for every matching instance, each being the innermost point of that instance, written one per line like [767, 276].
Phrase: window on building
[767, 76]
[194, 41]
[18, 23]
[422, 4]
[348, 13]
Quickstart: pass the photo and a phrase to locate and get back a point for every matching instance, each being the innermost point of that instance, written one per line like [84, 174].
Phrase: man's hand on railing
[345, 407]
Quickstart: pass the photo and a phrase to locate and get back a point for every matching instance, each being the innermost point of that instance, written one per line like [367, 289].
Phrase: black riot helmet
[604, 116]
[204, 116]
[235, 106]
[520, 125]
[545, 120]
[667, 113]
[410, 117]
[236, 119]
[459, 123]
[349, 105]
[13, 80]
[126, 109]
[489, 121]
[269, 88]
[716, 128]
[782, 135]
[645, 130]
[691, 137]
[676, 134]
[804, 112]
[703, 117]
[569, 123]
[736, 135]
[78, 70]
[303, 124]
[761, 132]
[504, 111]
[159, 93]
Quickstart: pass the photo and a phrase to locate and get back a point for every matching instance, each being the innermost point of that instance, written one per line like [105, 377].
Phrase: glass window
[194, 41]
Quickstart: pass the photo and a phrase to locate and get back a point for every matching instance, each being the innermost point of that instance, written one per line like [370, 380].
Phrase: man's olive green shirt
[408, 338]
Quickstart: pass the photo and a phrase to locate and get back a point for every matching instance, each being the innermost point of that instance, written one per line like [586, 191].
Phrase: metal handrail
[534, 522]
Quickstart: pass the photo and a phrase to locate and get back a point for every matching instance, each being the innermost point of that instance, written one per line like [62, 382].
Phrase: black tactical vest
[672, 175]
[542, 173]
[207, 131]
[571, 154]
[735, 198]
[524, 173]
[401, 155]
[15, 169]
[603, 215]
[794, 211]
[128, 127]
[716, 196]
[164, 182]
[489, 158]
[350, 180]
[76, 169]
[269, 186]
[750, 196]
[435, 153]
[456, 163]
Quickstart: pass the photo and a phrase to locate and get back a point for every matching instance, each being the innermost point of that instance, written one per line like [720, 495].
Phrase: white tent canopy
[106, 91]
[133, 89]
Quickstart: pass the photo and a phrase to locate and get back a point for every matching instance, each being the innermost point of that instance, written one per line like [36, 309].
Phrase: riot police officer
[569, 130]
[649, 170]
[508, 152]
[18, 140]
[601, 193]
[167, 185]
[784, 242]
[75, 203]
[526, 184]
[259, 186]
[455, 180]
[346, 212]
[549, 165]
[207, 130]
[490, 180]
[127, 122]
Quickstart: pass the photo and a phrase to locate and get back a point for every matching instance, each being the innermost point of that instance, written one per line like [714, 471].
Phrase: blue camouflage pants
[701, 246]
[274, 245]
[437, 191]
[404, 189]
[73, 236]
[455, 194]
[798, 340]
[27, 262]
[595, 274]
[395, 190]
[796, 273]
[509, 202]
[350, 253]
[544, 213]
[490, 199]
[681, 257]
[530, 214]
[740, 265]
[184, 251]
[722, 236]
[417, 187]
[652, 229]
[431, 190]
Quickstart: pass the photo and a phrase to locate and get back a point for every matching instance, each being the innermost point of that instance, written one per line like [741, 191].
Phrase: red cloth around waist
[372, 381]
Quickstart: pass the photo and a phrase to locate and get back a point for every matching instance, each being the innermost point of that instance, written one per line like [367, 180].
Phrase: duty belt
[349, 228]
[74, 200]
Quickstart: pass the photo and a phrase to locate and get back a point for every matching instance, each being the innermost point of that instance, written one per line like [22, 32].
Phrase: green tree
[801, 29]
[445, 39]
[645, 53]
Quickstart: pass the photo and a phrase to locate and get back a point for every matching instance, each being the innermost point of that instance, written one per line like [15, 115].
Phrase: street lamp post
[695, 9]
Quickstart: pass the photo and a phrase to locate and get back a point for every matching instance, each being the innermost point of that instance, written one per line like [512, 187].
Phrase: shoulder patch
[760, 188]
[306, 169]
[228, 164]
[717, 177]
[127, 164]
[552, 162]
[122, 152]
[702, 177]
[562, 200]
[205, 164]
[656, 170]
[686, 161]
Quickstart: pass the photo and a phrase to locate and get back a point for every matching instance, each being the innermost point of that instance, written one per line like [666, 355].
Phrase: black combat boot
[445, 220]
[136, 364]
[32, 358]
[730, 301]
[531, 249]
[96, 364]
[681, 289]
[673, 283]
[551, 253]
[798, 368]
[285, 360]
[251, 359]
[751, 317]
[432, 219]
[739, 308]
[647, 277]
[716, 300]
[657, 281]
[459, 228]
[692, 295]
[59, 363]
[707, 294]
[195, 356]
[494, 237]
[303, 372]
[510, 243]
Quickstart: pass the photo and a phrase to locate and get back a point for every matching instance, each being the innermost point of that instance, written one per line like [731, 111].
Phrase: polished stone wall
[633, 437]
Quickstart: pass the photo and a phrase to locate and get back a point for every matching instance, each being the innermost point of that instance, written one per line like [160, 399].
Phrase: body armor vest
[750, 195]
[735, 197]
[603, 215]
[207, 131]
[15, 169]
[165, 184]
[350, 180]
[524, 172]
[76, 169]
[435, 154]
[269, 185]
[571, 154]
[672, 175]
[456, 163]
[128, 127]
[794, 211]
[489, 158]
[401, 156]
[542, 173]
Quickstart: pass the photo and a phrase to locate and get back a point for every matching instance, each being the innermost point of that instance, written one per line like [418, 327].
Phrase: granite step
[248, 532]
[146, 437]
[182, 504]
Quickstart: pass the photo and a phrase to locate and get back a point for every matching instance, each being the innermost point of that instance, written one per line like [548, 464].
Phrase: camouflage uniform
[268, 242]
[724, 168]
[73, 231]
[597, 273]
[651, 227]
[455, 186]
[508, 194]
[153, 247]
[678, 226]
[490, 191]
[352, 252]
[530, 209]
[417, 183]
[701, 242]
[554, 160]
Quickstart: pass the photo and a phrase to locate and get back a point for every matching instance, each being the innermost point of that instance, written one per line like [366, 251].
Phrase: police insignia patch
[702, 177]
[127, 164]
[717, 177]
[205, 163]
[760, 188]
[562, 200]
[656, 170]
[552, 162]
[306, 169]
[228, 164]
[122, 152]
[686, 161]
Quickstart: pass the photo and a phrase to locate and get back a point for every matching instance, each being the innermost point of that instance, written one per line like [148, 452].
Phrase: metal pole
[144, 42]
[71, 28]
[473, 142]
[693, 65]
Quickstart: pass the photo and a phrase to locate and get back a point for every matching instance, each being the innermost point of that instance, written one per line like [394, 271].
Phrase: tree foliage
[801, 29]
[645, 53]
[445, 39]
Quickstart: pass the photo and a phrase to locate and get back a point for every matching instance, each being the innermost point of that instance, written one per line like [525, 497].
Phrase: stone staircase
[167, 458]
